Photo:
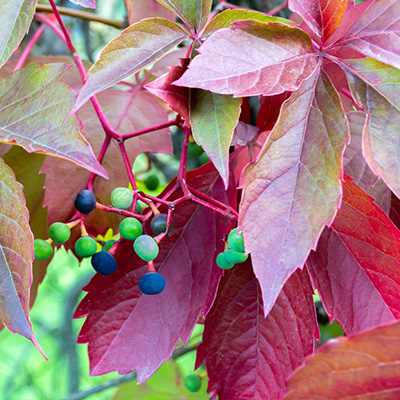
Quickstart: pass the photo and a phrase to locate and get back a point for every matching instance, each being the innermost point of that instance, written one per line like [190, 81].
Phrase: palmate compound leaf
[322, 16]
[135, 48]
[33, 107]
[127, 330]
[293, 190]
[127, 112]
[15, 18]
[213, 118]
[194, 13]
[376, 87]
[252, 58]
[362, 367]
[16, 255]
[247, 355]
[376, 33]
[356, 267]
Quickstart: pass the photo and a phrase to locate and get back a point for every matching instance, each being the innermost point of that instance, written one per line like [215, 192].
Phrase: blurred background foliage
[24, 373]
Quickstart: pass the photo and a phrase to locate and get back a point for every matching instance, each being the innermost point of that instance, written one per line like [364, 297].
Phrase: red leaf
[294, 189]
[127, 112]
[243, 134]
[356, 267]
[252, 58]
[270, 107]
[247, 355]
[176, 97]
[140, 9]
[363, 367]
[127, 330]
[322, 16]
[376, 33]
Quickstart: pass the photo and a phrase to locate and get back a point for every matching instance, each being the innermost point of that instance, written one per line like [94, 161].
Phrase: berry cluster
[234, 253]
[130, 228]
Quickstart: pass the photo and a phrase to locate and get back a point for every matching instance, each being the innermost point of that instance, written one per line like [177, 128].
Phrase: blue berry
[104, 263]
[159, 224]
[151, 283]
[85, 202]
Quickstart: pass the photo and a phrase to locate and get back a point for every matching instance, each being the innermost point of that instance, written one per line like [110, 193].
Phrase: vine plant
[311, 185]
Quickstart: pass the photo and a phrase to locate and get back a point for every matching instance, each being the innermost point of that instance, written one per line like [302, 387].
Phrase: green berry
[222, 263]
[130, 228]
[146, 248]
[59, 232]
[85, 247]
[42, 249]
[152, 182]
[121, 198]
[192, 383]
[107, 245]
[194, 150]
[235, 241]
[234, 257]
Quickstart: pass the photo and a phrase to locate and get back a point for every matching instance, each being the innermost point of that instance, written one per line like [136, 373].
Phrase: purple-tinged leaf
[252, 58]
[194, 13]
[16, 256]
[247, 355]
[135, 48]
[33, 107]
[213, 118]
[344, 287]
[15, 18]
[226, 18]
[127, 112]
[140, 9]
[294, 189]
[355, 165]
[85, 3]
[362, 367]
[376, 33]
[376, 86]
[322, 16]
[356, 267]
[127, 330]
[176, 97]
[270, 107]
[243, 134]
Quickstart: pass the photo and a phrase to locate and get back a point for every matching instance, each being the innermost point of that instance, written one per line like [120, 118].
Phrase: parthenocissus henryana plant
[285, 135]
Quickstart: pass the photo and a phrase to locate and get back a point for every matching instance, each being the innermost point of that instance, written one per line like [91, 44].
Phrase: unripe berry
[42, 249]
[121, 198]
[59, 232]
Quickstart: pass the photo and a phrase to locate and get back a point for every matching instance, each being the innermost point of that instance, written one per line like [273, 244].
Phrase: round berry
[107, 245]
[42, 249]
[159, 224]
[235, 241]
[192, 383]
[194, 150]
[146, 248]
[104, 263]
[151, 283]
[234, 257]
[59, 232]
[121, 198]
[152, 182]
[222, 263]
[85, 202]
[85, 246]
[130, 228]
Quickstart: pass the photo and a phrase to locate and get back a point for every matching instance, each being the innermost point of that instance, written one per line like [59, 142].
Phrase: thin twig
[82, 15]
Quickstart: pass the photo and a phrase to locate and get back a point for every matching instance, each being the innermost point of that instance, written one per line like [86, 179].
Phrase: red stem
[128, 166]
[25, 54]
[277, 9]
[163, 125]
[182, 165]
[100, 158]
[118, 211]
[214, 208]
[41, 18]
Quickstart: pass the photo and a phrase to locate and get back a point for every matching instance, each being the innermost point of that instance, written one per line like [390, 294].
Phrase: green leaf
[16, 254]
[377, 87]
[134, 49]
[15, 18]
[33, 107]
[194, 13]
[213, 118]
[226, 18]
